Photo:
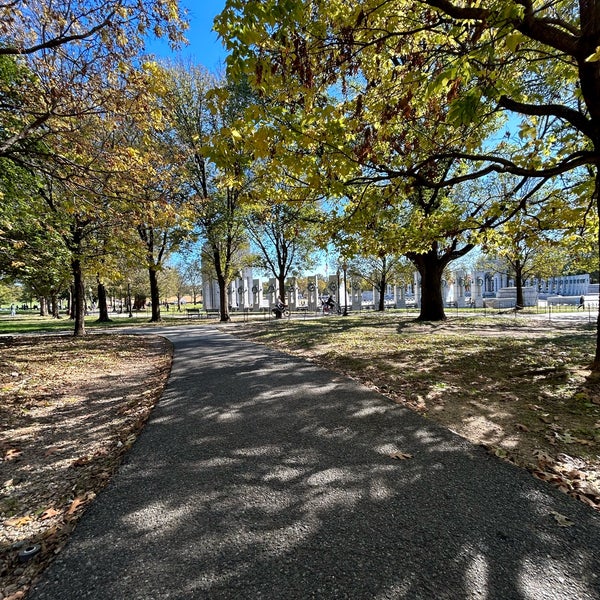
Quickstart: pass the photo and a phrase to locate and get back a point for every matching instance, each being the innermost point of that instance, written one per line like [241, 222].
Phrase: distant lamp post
[345, 269]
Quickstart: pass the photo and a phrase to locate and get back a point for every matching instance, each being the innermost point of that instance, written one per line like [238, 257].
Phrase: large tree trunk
[381, 302]
[222, 283]
[78, 297]
[154, 295]
[431, 268]
[102, 304]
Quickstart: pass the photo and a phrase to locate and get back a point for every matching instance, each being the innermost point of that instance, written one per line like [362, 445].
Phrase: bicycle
[329, 309]
[281, 310]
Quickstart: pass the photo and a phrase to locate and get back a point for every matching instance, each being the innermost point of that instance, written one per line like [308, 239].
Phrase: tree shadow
[264, 476]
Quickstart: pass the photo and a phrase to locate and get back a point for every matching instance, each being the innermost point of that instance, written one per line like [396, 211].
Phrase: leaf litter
[53, 462]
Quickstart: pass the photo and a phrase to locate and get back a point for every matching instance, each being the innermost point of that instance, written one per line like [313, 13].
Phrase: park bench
[193, 311]
[212, 312]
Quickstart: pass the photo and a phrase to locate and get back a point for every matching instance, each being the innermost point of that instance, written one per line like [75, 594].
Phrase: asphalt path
[260, 475]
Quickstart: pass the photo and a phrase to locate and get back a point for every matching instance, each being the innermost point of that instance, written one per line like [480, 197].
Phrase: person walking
[13, 310]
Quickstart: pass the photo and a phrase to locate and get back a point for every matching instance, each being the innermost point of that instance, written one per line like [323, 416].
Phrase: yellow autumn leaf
[17, 521]
[595, 57]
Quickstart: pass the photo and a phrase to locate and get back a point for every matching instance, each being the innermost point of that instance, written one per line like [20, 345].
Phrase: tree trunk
[222, 283]
[223, 305]
[519, 283]
[43, 312]
[382, 285]
[54, 306]
[281, 284]
[431, 268]
[596, 363]
[154, 295]
[78, 297]
[102, 304]
[381, 303]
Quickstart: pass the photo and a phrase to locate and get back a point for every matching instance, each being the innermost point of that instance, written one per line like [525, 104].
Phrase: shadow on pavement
[263, 476]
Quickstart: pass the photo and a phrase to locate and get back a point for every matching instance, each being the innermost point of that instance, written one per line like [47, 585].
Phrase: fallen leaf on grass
[522, 427]
[79, 502]
[81, 461]
[12, 454]
[542, 457]
[17, 521]
[400, 455]
[49, 513]
[561, 519]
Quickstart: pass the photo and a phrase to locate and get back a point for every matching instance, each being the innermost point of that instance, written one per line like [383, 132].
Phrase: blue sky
[204, 47]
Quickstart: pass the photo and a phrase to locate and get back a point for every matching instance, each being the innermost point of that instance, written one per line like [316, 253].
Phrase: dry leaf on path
[561, 519]
[400, 455]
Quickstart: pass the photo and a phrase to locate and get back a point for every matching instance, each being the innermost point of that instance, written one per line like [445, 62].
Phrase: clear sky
[204, 46]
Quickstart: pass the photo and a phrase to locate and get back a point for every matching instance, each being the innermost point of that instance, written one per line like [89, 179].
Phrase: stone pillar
[241, 304]
[272, 295]
[291, 293]
[477, 289]
[400, 296]
[356, 301]
[256, 294]
[332, 287]
[417, 290]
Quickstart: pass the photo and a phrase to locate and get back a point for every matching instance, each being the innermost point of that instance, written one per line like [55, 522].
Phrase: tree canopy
[377, 92]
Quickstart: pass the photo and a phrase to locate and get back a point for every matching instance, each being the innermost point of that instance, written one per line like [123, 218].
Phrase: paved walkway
[264, 476]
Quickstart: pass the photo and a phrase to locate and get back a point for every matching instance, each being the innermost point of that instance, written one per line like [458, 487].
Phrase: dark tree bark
[430, 269]
[519, 283]
[382, 285]
[154, 295]
[282, 295]
[102, 304]
[78, 297]
[54, 306]
[430, 266]
[222, 283]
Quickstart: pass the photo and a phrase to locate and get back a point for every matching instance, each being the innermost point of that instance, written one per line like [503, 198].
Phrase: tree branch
[573, 117]
[59, 40]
